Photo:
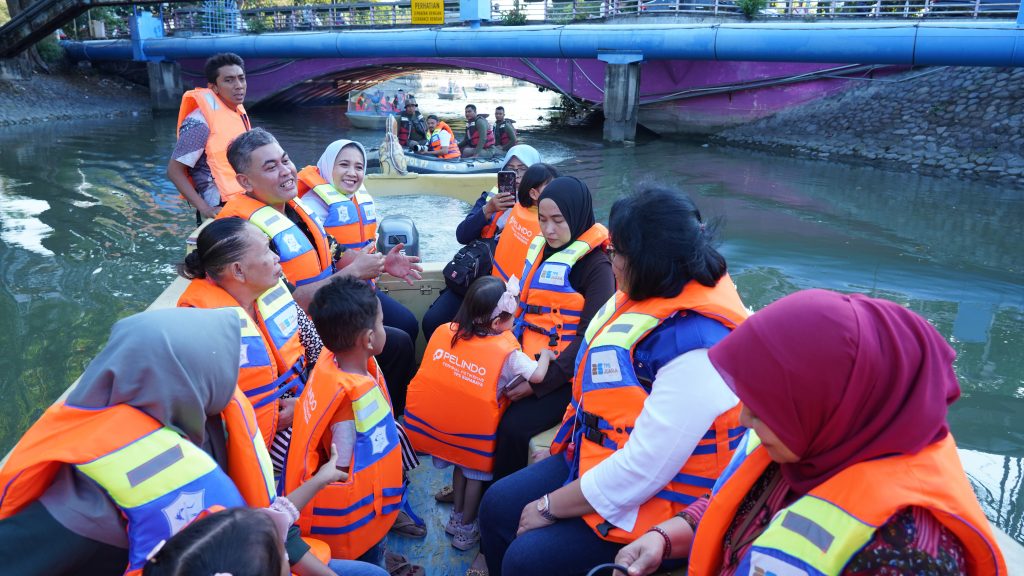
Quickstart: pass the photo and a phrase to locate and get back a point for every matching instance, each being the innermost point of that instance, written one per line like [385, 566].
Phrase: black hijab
[573, 199]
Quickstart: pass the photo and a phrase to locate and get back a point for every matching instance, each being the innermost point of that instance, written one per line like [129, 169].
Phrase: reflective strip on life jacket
[351, 220]
[301, 261]
[160, 482]
[434, 142]
[549, 307]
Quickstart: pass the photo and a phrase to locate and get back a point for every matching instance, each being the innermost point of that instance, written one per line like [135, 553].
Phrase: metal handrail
[399, 13]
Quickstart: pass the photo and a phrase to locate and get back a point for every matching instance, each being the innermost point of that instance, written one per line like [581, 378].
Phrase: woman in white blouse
[651, 424]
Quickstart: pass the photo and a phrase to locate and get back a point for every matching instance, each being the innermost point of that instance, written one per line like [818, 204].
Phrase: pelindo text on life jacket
[470, 372]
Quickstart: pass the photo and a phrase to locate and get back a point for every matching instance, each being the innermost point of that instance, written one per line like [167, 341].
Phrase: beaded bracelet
[668, 541]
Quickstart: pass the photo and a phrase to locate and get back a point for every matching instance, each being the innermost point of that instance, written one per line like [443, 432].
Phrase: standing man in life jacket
[208, 120]
[440, 140]
[476, 124]
[504, 131]
[412, 129]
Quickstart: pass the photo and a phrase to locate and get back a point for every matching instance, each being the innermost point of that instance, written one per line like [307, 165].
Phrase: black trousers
[524, 420]
[397, 361]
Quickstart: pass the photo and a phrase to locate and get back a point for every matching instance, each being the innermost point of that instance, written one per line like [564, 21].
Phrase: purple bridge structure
[675, 96]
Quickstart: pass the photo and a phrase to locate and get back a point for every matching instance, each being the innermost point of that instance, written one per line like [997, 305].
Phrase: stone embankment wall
[965, 122]
[71, 94]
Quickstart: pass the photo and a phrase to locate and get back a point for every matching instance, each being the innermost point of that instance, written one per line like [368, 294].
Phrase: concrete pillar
[165, 87]
[621, 96]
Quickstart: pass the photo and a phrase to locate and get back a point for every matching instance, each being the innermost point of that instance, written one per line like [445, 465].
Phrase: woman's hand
[498, 203]
[522, 390]
[643, 556]
[401, 266]
[285, 413]
[531, 519]
[362, 265]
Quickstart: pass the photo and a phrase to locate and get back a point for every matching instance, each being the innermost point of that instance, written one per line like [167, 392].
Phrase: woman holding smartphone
[487, 220]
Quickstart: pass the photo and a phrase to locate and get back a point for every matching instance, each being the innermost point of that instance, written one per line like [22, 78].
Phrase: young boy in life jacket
[457, 398]
[345, 405]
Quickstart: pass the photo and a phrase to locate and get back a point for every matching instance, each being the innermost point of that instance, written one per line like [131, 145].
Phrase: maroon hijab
[840, 379]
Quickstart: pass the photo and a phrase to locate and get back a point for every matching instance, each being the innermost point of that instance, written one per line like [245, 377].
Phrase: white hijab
[325, 165]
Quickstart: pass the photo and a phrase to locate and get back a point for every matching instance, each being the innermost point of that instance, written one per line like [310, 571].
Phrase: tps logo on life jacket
[309, 404]
[456, 363]
[604, 367]
[552, 274]
[183, 510]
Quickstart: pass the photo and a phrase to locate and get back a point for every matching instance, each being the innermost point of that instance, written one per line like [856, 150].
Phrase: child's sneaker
[454, 522]
[466, 536]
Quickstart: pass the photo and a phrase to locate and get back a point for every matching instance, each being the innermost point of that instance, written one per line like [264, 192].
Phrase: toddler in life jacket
[470, 369]
[345, 406]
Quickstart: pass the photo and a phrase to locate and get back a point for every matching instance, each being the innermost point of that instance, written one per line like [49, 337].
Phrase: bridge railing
[399, 13]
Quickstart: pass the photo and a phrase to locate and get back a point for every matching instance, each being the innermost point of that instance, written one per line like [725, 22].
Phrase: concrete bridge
[703, 66]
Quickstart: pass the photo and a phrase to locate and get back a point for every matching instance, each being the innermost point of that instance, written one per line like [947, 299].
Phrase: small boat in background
[451, 92]
[369, 110]
[482, 87]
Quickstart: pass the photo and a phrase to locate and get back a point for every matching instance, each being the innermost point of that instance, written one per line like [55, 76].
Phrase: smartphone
[507, 182]
[512, 384]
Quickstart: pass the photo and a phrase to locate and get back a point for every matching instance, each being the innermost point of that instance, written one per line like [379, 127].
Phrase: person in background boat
[345, 408]
[234, 267]
[476, 125]
[458, 396]
[504, 130]
[849, 450]
[208, 119]
[309, 258]
[440, 140]
[649, 427]
[350, 218]
[485, 221]
[72, 495]
[412, 129]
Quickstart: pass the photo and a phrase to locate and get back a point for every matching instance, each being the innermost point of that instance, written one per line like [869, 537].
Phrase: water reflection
[105, 226]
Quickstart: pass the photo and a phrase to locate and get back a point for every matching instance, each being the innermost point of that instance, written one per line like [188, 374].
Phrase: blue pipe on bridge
[971, 43]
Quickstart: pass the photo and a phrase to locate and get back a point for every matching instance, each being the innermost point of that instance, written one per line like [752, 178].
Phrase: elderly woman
[648, 430]
[101, 506]
[233, 267]
[849, 466]
[487, 220]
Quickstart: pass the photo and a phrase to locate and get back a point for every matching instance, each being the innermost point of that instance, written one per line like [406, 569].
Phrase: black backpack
[472, 261]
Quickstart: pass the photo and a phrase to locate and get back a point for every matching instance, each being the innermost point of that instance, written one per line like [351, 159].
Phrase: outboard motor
[395, 230]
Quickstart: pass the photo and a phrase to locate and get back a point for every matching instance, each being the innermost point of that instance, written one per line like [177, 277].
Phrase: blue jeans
[566, 547]
[355, 568]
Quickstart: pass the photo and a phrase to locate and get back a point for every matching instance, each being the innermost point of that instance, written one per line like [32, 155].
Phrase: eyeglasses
[519, 170]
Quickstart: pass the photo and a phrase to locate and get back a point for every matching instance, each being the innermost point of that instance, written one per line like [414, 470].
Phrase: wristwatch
[544, 507]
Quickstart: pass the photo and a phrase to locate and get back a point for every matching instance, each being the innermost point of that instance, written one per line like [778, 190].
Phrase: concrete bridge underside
[675, 96]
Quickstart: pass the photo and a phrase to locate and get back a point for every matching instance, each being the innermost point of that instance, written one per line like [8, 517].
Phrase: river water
[90, 228]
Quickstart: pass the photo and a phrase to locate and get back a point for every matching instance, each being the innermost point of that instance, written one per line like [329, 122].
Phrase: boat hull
[367, 121]
[429, 165]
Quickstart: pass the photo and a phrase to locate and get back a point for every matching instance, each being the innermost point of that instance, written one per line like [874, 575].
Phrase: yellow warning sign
[428, 11]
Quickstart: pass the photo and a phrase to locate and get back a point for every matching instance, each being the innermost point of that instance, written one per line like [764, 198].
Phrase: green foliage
[563, 12]
[49, 50]
[5, 14]
[514, 17]
[257, 24]
[751, 8]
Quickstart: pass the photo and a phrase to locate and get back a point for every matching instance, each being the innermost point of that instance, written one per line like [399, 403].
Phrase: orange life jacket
[127, 456]
[301, 261]
[549, 307]
[823, 530]
[272, 360]
[608, 397]
[514, 242]
[434, 142]
[225, 125]
[474, 135]
[453, 406]
[351, 516]
[351, 220]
